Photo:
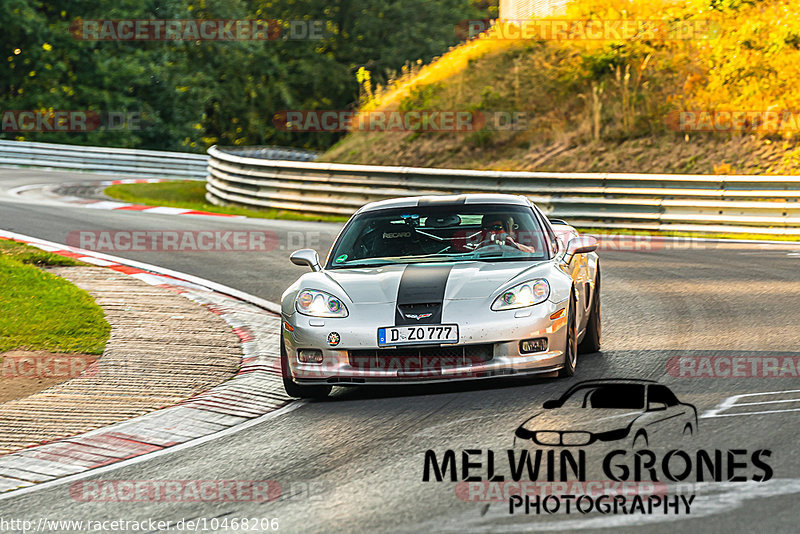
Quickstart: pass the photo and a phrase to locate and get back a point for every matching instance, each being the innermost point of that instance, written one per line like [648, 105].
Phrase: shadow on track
[356, 393]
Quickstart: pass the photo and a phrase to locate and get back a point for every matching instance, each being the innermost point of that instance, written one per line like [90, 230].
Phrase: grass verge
[40, 311]
[192, 195]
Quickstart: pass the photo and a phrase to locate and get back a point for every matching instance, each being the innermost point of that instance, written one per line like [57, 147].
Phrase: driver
[499, 229]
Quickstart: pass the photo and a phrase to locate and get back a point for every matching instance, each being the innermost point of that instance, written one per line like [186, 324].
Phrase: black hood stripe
[421, 291]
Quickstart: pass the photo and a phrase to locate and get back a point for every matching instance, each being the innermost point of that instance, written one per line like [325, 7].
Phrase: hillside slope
[611, 105]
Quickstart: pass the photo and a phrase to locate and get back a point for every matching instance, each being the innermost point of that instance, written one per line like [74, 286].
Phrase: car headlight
[522, 295]
[319, 304]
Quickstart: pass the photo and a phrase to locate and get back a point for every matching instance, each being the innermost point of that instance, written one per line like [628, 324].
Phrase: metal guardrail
[119, 161]
[654, 202]
[272, 152]
[134, 162]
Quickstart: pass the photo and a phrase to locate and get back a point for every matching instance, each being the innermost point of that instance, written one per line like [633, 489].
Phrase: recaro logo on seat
[395, 235]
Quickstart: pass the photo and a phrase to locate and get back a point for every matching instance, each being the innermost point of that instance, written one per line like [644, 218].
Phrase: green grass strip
[40, 311]
[192, 195]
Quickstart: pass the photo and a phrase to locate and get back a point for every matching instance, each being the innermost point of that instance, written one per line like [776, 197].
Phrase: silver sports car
[441, 288]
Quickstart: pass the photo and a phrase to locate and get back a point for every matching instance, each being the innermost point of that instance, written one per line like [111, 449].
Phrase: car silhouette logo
[641, 412]
[418, 316]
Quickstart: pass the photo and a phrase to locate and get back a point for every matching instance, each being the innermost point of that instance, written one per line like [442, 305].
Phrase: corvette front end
[490, 344]
[438, 288]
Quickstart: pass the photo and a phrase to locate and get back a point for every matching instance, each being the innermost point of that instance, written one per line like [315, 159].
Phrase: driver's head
[497, 223]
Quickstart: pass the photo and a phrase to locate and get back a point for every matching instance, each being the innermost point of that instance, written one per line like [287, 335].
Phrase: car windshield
[458, 232]
[607, 396]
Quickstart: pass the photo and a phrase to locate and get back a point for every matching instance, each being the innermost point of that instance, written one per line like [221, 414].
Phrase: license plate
[412, 335]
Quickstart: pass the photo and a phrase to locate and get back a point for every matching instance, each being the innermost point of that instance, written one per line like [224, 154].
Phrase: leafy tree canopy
[191, 94]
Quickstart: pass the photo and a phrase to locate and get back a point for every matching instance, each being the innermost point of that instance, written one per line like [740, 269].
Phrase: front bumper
[489, 346]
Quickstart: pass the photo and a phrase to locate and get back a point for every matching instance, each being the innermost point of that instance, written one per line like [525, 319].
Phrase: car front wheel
[571, 349]
[591, 340]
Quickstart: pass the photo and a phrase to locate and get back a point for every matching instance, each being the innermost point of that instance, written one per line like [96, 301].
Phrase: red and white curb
[112, 204]
[256, 391]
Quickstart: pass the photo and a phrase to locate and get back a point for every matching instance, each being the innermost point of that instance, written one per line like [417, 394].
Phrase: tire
[571, 352]
[296, 390]
[637, 440]
[592, 337]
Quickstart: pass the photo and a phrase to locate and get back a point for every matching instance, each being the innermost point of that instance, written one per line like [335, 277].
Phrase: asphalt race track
[355, 463]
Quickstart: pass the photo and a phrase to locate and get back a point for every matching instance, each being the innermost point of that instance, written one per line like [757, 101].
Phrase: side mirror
[656, 406]
[579, 245]
[306, 257]
[548, 405]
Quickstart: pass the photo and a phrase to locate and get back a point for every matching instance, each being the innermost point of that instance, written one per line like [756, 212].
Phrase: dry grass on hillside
[602, 105]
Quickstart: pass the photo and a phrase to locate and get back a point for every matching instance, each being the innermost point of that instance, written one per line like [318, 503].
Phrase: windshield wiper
[360, 265]
[431, 258]
[506, 258]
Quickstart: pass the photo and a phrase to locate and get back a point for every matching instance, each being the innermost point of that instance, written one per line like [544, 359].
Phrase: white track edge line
[292, 406]
[17, 191]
